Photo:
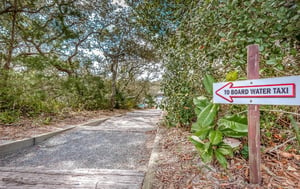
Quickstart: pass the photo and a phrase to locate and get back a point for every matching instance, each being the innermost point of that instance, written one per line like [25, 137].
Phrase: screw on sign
[254, 91]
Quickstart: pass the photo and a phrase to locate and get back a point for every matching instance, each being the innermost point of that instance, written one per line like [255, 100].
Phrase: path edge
[14, 146]
[153, 162]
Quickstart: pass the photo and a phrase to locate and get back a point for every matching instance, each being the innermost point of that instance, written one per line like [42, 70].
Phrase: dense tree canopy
[210, 37]
[63, 54]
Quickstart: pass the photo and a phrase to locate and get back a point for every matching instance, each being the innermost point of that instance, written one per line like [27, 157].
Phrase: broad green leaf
[197, 110]
[225, 149]
[271, 62]
[221, 159]
[233, 126]
[195, 127]
[198, 143]
[200, 102]
[235, 122]
[208, 83]
[261, 48]
[207, 155]
[215, 137]
[207, 146]
[279, 67]
[204, 149]
[203, 132]
[230, 133]
[207, 115]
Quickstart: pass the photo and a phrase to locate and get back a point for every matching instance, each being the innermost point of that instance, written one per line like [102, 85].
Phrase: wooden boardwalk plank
[33, 178]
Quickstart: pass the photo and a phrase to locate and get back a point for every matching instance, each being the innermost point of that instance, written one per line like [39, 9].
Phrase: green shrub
[209, 131]
[8, 117]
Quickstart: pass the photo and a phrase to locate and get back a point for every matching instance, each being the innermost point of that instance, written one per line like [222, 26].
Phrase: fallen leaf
[290, 168]
[286, 155]
[278, 136]
[246, 173]
[297, 157]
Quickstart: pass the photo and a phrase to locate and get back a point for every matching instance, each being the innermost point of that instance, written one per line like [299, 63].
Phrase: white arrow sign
[273, 91]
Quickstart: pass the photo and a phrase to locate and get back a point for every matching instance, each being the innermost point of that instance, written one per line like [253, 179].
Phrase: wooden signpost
[255, 91]
[253, 119]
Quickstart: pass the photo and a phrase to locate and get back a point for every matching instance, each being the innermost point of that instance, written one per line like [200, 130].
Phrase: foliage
[33, 93]
[58, 55]
[209, 132]
[233, 126]
[150, 101]
[245, 152]
[86, 92]
[210, 37]
[123, 101]
[296, 128]
[8, 117]
[232, 76]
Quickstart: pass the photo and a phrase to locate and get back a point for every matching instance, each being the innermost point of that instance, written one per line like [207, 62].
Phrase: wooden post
[253, 119]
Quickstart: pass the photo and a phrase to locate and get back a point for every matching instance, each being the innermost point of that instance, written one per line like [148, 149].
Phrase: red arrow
[260, 91]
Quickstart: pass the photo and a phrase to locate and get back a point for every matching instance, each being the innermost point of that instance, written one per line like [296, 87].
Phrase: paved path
[112, 154]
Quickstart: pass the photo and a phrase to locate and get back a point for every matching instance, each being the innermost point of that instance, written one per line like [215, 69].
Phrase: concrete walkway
[112, 154]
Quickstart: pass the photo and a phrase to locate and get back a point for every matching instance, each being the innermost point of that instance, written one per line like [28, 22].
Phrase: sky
[120, 2]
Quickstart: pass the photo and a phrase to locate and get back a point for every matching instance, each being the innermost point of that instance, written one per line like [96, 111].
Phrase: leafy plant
[201, 40]
[150, 101]
[245, 152]
[209, 131]
[8, 117]
[232, 76]
[296, 128]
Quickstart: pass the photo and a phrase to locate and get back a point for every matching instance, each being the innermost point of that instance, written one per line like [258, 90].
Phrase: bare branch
[7, 10]
[78, 44]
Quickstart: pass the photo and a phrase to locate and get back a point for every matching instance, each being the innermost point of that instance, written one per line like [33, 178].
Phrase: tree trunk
[114, 71]
[12, 38]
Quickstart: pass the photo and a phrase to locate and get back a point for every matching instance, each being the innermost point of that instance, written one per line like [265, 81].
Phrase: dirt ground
[26, 128]
[179, 167]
